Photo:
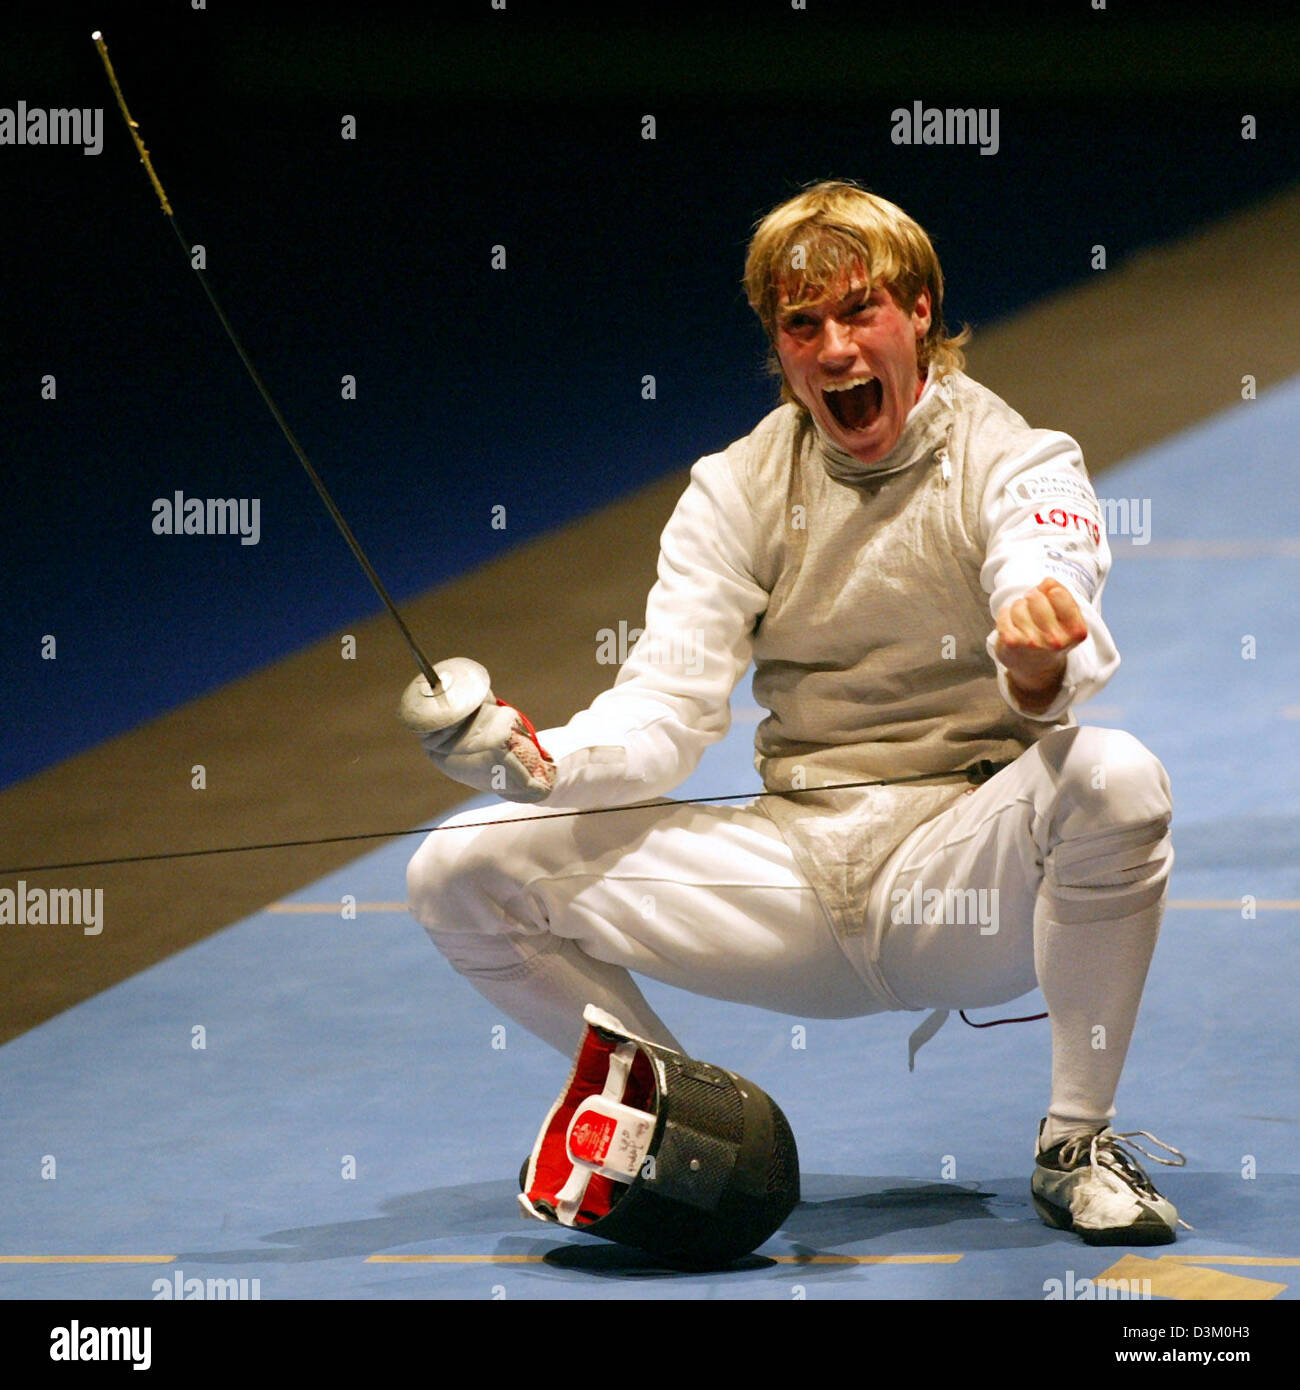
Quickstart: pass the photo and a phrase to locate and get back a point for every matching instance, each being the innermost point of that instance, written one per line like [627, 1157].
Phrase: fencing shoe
[1091, 1185]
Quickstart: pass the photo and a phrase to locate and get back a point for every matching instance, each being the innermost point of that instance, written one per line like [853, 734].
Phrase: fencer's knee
[447, 876]
[1105, 778]
[426, 874]
[1105, 833]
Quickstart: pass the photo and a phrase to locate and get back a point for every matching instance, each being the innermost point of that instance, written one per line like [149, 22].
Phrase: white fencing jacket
[865, 595]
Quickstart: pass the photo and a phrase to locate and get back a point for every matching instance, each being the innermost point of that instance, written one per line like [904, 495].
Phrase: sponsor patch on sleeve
[1070, 520]
[1077, 574]
[1057, 487]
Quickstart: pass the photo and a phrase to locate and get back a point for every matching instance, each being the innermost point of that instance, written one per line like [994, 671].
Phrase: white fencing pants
[1069, 847]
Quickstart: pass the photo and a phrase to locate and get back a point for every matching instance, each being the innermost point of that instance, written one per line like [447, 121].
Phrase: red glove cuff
[528, 724]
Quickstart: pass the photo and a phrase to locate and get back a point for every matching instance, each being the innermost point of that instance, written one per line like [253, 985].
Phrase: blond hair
[804, 246]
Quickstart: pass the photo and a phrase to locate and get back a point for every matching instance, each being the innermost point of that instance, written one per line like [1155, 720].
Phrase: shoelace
[1107, 1149]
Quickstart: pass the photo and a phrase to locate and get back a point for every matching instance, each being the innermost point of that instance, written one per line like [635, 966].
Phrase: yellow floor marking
[86, 1259]
[1232, 1259]
[1169, 1279]
[779, 1259]
[454, 1259]
[865, 1259]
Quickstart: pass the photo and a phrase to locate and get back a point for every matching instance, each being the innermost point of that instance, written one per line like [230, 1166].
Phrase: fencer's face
[850, 357]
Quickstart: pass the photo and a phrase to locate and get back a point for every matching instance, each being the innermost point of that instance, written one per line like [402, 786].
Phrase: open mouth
[856, 405]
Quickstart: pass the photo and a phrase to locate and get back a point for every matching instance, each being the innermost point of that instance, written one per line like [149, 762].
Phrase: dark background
[478, 387]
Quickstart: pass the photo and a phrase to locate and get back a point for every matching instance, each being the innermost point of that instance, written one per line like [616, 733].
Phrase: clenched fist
[1035, 636]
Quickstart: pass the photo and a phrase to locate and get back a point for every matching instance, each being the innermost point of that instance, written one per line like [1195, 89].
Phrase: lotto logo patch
[1070, 521]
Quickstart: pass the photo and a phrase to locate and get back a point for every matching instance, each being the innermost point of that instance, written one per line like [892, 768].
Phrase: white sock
[1093, 942]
